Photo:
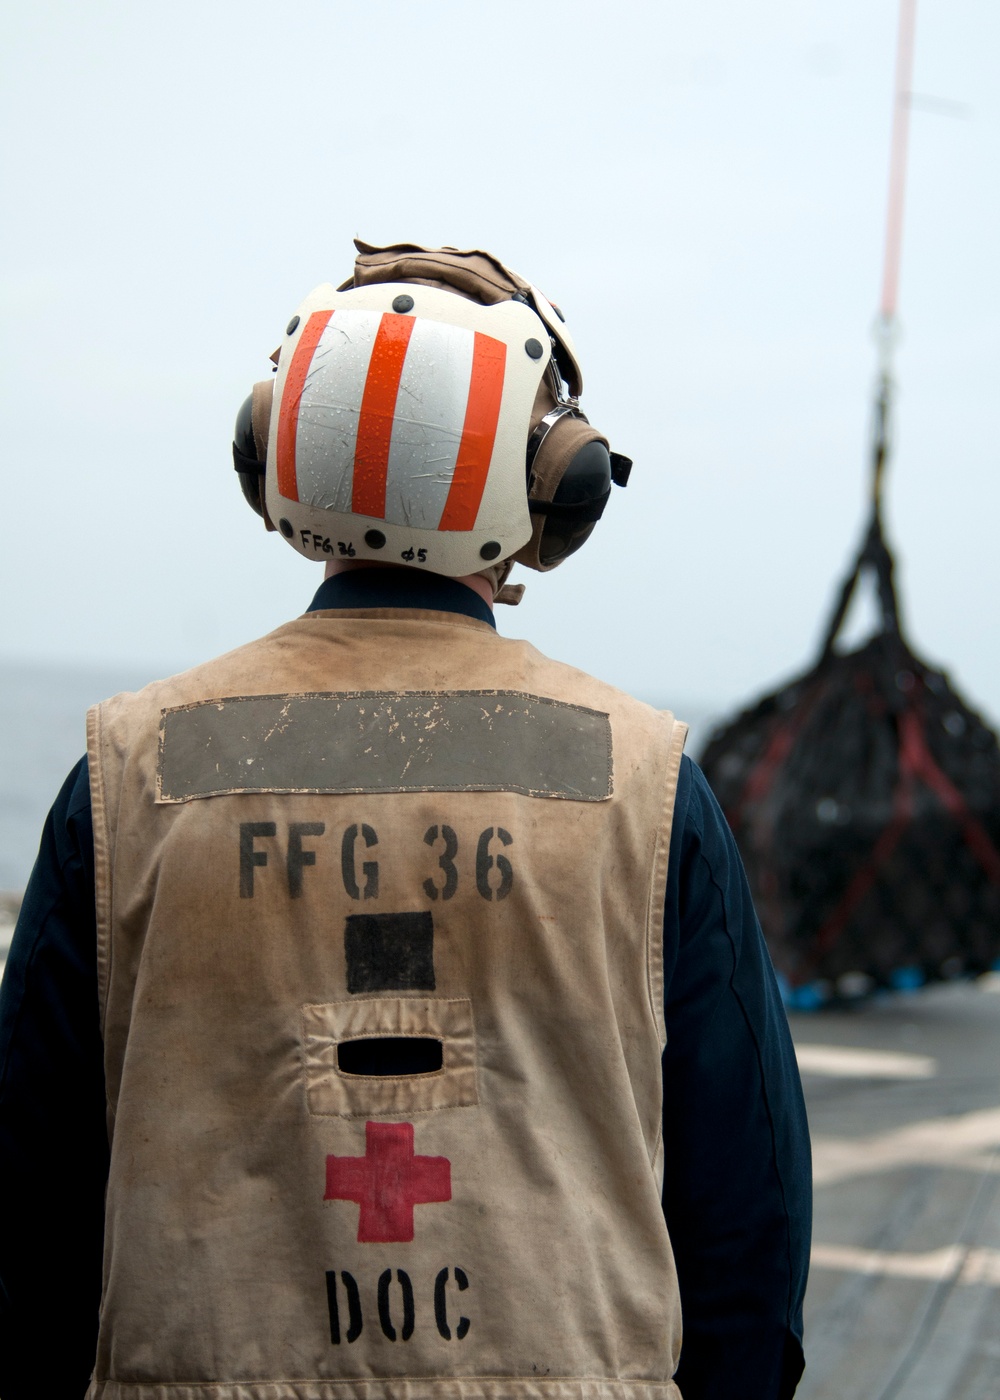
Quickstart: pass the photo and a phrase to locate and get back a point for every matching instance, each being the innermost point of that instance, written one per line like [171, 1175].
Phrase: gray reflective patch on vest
[374, 741]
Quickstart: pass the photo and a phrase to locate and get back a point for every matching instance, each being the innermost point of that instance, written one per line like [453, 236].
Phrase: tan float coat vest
[378, 825]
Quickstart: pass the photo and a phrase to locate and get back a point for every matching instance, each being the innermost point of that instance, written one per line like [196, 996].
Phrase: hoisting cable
[887, 325]
[874, 553]
[897, 163]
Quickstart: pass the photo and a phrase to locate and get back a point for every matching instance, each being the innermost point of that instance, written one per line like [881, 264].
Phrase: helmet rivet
[293, 323]
[402, 303]
[374, 539]
[491, 549]
[285, 526]
[534, 348]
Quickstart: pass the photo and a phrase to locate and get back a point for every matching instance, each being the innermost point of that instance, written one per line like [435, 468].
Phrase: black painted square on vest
[390, 952]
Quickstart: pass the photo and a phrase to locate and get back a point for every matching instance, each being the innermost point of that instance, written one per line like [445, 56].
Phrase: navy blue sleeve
[53, 1139]
[737, 1190]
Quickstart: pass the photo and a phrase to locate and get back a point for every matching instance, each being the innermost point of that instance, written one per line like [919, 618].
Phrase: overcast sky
[700, 184]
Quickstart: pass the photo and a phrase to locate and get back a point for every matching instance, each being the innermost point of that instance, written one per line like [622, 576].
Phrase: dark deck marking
[374, 741]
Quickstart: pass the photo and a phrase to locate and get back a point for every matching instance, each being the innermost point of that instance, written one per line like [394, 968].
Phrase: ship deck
[904, 1105]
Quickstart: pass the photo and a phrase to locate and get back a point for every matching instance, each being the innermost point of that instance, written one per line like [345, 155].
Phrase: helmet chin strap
[503, 592]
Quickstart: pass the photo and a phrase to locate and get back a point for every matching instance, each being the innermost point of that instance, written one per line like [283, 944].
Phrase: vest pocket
[422, 1051]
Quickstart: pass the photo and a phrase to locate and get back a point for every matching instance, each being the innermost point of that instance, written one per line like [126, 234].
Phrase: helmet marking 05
[401, 437]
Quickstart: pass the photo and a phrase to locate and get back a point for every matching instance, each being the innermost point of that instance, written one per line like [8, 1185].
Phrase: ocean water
[43, 733]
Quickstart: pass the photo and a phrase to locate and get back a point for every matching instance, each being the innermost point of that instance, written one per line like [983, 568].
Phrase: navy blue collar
[400, 588]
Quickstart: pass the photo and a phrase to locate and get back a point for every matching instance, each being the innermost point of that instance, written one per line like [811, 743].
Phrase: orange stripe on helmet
[475, 451]
[291, 398]
[378, 409]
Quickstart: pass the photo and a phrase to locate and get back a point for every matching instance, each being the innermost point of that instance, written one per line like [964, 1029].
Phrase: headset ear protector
[250, 446]
[569, 469]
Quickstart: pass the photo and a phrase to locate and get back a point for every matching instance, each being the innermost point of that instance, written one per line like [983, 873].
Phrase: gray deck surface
[904, 1294]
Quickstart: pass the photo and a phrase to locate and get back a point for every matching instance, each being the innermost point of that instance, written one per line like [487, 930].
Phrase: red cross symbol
[387, 1182]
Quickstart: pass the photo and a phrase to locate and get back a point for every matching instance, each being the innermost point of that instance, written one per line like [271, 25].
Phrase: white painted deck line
[965, 1265]
[849, 1062]
[945, 1142]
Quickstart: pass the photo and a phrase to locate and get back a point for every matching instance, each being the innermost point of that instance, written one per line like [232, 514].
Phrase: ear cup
[569, 482]
[251, 471]
[250, 446]
[578, 504]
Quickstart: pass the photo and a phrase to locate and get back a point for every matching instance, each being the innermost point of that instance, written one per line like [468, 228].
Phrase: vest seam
[657, 889]
[406, 994]
[392, 1112]
[102, 860]
[655, 913]
[506, 1376]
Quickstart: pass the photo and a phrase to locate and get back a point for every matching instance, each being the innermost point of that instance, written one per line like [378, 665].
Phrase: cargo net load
[865, 799]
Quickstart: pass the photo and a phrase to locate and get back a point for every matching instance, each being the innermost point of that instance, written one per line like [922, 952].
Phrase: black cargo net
[865, 798]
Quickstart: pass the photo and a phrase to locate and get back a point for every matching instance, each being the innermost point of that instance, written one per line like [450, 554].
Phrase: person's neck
[476, 582]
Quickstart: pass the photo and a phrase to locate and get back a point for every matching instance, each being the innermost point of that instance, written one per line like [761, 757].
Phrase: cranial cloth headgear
[418, 417]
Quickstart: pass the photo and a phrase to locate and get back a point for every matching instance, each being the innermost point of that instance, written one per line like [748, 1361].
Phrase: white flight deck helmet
[410, 423]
